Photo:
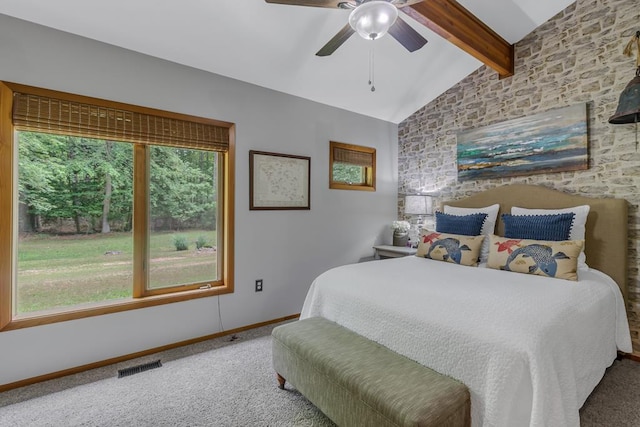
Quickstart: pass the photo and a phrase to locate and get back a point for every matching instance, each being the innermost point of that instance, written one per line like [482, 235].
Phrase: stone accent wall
[575, 57]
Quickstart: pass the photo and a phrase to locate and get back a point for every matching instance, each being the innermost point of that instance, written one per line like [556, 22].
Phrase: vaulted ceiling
[274, 45]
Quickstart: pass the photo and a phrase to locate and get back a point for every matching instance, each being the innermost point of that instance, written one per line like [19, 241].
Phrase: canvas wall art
[553, 141]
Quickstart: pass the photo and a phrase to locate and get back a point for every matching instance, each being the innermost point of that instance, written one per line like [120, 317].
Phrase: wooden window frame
[370, 171]
[142, 297]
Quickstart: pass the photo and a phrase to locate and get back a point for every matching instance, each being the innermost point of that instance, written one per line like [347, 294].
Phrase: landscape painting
[553, 141]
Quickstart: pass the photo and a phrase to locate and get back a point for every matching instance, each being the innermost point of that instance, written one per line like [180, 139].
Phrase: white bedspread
[529, 348]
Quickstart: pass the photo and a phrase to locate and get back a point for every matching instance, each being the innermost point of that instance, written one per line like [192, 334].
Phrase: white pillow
[578, 229]
[488, 227]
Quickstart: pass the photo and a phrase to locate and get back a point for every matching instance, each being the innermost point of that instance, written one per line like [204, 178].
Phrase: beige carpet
[230, 383]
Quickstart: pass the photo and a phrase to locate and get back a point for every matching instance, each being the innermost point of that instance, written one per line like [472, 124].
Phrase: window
[108, 207]
[352, 167]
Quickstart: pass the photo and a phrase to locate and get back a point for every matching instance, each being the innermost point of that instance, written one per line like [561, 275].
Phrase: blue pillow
[467, 225]
[538, 227]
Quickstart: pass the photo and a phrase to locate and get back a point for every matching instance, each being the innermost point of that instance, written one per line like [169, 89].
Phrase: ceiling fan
[371, 19]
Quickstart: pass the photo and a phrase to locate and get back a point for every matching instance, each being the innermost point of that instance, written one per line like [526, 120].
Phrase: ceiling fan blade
[407, 36]
[341, 4]
[336, 41]
[313, 3]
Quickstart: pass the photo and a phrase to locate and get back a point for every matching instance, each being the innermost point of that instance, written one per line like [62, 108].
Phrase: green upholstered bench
[357, 382]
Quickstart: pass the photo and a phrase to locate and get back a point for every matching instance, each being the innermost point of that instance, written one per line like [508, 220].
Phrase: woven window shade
[352, 157]
[43, 114]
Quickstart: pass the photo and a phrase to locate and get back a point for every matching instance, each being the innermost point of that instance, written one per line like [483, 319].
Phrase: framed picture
[552, 141]
[278, 181]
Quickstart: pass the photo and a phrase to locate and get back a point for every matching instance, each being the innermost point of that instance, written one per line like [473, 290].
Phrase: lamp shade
[418, 205]
[373, 19]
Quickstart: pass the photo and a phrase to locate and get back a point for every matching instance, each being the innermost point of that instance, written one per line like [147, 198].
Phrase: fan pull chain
[371, 73]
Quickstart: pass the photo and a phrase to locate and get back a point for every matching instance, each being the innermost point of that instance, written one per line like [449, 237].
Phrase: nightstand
[388, 251]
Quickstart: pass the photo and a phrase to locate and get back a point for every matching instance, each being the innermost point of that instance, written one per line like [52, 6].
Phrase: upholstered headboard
[606, 237]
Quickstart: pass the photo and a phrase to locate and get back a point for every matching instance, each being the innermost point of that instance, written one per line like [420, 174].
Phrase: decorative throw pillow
[538, 227]
[557, 259]
[455, 248]
[579, 229]
[488, 227]
[468, 225]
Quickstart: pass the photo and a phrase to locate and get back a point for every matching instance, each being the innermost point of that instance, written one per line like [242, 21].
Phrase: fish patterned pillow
[454, 248]
[557, 259]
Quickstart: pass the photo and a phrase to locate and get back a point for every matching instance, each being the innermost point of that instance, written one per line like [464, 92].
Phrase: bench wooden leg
[281, 381]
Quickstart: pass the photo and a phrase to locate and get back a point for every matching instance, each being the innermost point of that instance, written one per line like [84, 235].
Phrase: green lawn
[61, 271]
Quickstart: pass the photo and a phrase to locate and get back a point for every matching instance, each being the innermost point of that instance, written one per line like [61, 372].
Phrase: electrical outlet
[259, 285]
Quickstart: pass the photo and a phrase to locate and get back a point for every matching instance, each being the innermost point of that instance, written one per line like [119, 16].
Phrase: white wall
[285, 248]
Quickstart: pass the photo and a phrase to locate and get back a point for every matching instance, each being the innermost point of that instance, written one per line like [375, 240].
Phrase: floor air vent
[140, 368]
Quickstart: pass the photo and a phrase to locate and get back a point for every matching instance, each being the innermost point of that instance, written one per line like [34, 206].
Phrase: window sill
[27, 321]
[340, 186]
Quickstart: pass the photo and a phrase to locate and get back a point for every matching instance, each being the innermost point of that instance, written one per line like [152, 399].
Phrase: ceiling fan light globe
[373, 19]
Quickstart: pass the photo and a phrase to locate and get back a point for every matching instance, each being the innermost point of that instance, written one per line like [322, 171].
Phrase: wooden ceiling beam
[459, 26]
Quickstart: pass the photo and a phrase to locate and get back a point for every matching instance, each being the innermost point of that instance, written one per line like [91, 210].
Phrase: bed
[530, 348]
